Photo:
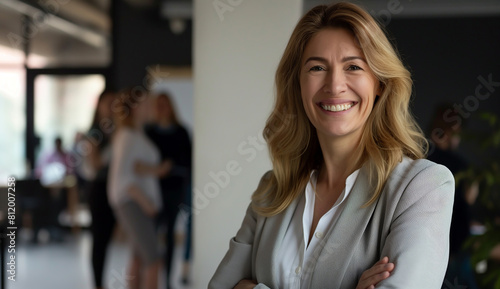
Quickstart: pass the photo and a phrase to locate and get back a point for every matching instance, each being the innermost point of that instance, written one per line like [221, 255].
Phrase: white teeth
[338, 107]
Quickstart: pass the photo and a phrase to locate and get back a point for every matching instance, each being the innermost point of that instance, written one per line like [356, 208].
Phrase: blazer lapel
[273, 231]
[345, 234]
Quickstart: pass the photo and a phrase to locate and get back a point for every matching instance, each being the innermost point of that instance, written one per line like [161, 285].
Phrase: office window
[12, 114]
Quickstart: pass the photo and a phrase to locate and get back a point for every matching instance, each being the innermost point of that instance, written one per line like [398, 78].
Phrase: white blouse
[297, 259]
[128, 147]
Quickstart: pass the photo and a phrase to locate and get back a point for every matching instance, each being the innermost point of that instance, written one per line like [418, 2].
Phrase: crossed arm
[371, 277]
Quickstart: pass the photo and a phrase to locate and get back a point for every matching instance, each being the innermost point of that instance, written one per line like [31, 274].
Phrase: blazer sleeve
[237, 263]
[418, 240]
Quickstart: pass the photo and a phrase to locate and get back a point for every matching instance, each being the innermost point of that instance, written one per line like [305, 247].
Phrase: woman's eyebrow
[349, 58]
[317, 58]
[344, 59]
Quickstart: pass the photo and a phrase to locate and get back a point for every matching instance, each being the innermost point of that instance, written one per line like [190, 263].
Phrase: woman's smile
[337, 107]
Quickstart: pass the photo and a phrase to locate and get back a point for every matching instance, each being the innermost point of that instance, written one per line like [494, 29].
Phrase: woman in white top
[350, 202]
[135, 198]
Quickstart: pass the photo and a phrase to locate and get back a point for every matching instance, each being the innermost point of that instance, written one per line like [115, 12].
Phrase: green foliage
[488, 175]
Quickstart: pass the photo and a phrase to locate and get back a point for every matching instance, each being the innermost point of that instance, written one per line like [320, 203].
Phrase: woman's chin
[336, 132]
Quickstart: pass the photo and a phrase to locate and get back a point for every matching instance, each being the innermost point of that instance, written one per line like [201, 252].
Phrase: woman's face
[143, 112]
[338, 88]
[104, 108]
[163, 108]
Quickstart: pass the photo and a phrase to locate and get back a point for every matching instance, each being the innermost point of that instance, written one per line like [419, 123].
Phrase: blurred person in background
[135, 198]
[95, 171]
[445, 137]
[79, 166]
[54, 165]
[188, 200]
[55, 172]
[172, 139]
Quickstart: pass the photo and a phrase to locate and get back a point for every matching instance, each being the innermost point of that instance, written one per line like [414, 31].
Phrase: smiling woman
[350, 202]
[338, 87]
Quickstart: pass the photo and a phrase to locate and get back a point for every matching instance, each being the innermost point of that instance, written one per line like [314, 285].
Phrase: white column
[237, 47]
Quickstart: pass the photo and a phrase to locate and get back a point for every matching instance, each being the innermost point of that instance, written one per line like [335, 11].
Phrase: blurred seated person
[53, 166]
[56, 173]
[445, 137]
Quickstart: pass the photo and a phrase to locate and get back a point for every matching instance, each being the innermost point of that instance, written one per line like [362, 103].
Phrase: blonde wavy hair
[390, 132]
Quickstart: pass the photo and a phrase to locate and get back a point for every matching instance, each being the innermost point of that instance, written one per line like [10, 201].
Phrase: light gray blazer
[409, 223]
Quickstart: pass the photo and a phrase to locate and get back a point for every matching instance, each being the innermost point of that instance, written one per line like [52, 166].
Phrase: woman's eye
[316, 68]
[354, 67]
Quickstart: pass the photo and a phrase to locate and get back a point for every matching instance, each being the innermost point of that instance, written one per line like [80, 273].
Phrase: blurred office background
[218, 59]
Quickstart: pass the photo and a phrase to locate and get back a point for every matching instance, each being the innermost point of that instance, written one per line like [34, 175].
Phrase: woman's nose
[335, 83]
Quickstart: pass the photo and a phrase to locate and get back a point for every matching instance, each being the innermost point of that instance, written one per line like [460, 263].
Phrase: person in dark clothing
[97, 163]
[445, 139]
[174, 144]
[188, 200]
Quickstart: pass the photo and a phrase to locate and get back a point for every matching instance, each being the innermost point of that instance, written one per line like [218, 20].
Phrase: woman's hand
[165, 168]
[160, 170]
[146, 205]
[140, 168]
[245, 284]
[378, 272]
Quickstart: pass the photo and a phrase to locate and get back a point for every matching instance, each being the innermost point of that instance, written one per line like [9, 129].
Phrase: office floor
[66, 264]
